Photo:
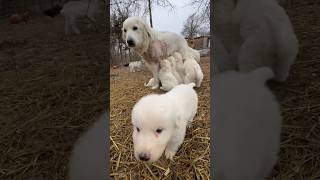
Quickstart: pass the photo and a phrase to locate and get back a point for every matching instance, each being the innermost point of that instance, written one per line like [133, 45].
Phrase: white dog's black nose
[130, 42]
[144, 157]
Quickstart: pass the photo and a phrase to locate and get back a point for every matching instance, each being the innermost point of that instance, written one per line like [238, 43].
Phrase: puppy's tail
[192, 85]
[263, 74]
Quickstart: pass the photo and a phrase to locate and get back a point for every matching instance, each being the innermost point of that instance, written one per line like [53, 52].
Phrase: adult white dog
[160, 122]
[258, 33]
[247, 125]
[89, 159]
[166, 75]
[135, 66]
[154, 46]
[74, 10]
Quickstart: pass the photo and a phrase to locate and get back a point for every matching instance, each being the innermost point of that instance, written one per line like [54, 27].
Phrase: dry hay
[192, 159]
[300, 99]
[52, 87]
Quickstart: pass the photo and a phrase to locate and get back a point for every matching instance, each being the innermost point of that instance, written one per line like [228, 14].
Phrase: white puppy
[154, 46]
[247, 125]
[179, 64]
[166, 76]
[74, 10]
[88, 158]
[268, 37]
[193, 72]
[135, 66]
[173, 61]
[160, 122]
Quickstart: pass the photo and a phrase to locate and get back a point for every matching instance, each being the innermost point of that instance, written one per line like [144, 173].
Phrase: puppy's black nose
[130, 42]
[144, 157]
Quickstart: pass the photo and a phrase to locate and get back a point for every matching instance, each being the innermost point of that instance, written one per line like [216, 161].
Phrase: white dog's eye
[138, 129]
[135, 28]
[158, 131]
[125, 30]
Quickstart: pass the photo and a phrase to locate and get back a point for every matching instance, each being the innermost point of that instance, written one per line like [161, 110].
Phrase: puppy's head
[165, 65]
[136, 33]
[177, 56]
[153, 126]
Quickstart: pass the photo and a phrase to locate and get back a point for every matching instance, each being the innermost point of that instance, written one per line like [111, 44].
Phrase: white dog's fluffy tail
[263, 74]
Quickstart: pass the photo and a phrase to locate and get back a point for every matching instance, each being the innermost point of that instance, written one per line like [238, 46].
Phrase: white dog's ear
[147, 31]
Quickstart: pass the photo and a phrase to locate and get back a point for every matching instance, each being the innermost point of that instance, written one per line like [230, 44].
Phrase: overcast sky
[165, 19]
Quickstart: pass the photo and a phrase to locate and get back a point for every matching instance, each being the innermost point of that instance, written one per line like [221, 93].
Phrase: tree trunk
[150, 14]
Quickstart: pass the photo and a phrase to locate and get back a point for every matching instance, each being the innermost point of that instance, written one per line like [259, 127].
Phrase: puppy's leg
[174, 144]
[154, 68]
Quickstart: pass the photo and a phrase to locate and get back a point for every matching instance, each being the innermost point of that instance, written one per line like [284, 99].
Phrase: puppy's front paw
[155, 86]
[170, 153]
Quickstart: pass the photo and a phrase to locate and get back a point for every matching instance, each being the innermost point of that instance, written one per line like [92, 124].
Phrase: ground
[52, 87]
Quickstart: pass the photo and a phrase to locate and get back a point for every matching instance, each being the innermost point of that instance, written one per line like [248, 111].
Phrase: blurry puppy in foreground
[89, 159]
[248, 124]
[160, 121]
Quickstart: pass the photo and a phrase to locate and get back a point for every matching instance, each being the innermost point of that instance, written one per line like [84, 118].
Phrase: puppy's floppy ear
[178, 122]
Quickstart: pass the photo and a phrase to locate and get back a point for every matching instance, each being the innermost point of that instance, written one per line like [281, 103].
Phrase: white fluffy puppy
[166, 76]
[247, 125]
[160, 122]
[135, 66]
[268, 37]
[193, 72]
[179, 65]
[154, 46]
[174, 68]
[88, 159]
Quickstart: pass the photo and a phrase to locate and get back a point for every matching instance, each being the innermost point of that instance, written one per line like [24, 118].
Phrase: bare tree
[193, 26]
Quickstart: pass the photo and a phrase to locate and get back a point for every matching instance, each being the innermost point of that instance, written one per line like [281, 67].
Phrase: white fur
[193, 72]
[248, 124]
[166, 75]
[88, 158]
[154, 46]
[171, 112]
[269, 38]
[258, 33]
[74, 10]
[135, 66]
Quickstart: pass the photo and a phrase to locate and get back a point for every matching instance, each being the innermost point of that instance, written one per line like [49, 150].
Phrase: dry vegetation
[300, 99]
[192, 159]
[52, 87]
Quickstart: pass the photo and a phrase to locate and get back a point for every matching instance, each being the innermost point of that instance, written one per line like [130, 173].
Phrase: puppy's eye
[158, 131]
[138, 129]
[124, 30]
[135, 28]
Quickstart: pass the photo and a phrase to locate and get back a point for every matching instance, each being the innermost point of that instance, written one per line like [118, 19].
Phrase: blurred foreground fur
[248, 123]
[89, 156]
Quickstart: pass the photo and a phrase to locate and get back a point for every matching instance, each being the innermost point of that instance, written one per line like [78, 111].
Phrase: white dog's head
[153, 126]
[136, 33]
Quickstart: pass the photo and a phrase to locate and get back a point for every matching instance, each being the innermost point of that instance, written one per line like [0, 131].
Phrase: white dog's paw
[170, 154]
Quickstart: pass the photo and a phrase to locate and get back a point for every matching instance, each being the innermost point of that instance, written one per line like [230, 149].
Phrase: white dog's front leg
[154, 68]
